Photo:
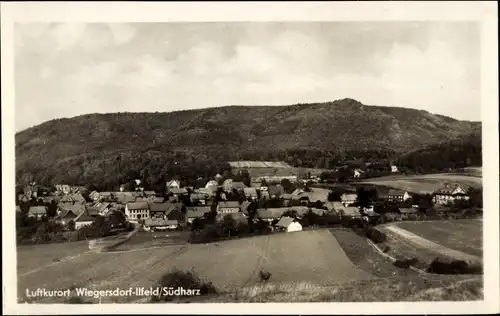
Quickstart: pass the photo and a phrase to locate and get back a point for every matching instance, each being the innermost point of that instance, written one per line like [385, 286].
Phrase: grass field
[308, 256]
[423, 183]
[32, 257]
[154, 239]
[461, 235]
[451, 234]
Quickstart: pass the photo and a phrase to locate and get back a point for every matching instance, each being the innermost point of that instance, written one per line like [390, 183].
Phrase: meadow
[424, 183]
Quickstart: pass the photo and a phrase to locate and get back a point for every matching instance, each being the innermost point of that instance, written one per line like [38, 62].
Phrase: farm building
[83, 219]
[137, 210]
[350, 211]
[173, 184]
[65, 216]
[270, 214]
[224, 207]
[395, 195]
[100, 208]
[37, 211]
[72, 198]
[250, 193]
[348, 198]
[198, 198]
[178, 192]
[288, 224]
[162, 210]
[272, 172]
[194, 212]
[449, 193]
[313, 195]
[153, 224]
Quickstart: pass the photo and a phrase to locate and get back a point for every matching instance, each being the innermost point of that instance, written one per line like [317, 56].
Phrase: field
[461, 235]
[309, 256]
[423, 183]
[440, 238]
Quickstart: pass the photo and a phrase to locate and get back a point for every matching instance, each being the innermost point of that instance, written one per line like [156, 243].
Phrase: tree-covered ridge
[109, 149]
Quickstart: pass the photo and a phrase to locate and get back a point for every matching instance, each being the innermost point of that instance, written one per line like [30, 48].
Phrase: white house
[289, 224]
[83, 219]
[394, 169]
[449, 193]
[348, 198]
[357, 173]
[226, 207]
[137, 210]
[173, 184]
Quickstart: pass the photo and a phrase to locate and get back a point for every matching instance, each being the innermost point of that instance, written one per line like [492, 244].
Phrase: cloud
[117, 67]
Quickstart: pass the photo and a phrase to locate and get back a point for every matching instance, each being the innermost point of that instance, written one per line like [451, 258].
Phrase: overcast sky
[64, 70]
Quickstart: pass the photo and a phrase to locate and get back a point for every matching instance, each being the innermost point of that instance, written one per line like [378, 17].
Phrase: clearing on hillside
[308, 256]
[424, 183]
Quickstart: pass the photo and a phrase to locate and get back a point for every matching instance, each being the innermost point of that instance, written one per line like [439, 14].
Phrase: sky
[65, 70]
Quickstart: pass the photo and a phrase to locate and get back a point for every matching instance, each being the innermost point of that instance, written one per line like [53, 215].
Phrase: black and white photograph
[198, 162]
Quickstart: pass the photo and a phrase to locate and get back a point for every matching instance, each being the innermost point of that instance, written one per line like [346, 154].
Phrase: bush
[209, 233]
[375, 235]
[413, 217]
[389, 217]
[405, 263]
[450, 266]
[186, 280]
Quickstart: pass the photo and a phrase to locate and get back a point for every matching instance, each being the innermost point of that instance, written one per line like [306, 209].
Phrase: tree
[71, 226]
[291, 213]
[334, 195]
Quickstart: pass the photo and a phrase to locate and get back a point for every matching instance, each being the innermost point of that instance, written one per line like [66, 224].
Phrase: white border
[485, 12]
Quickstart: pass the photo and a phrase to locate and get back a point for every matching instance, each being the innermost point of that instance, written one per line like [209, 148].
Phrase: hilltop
[109, 148]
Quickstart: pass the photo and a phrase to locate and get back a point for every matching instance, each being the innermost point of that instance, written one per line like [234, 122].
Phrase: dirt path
[425, 243]
[253, 277]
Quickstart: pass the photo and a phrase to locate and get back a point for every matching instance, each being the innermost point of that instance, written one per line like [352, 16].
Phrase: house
[66, 215]
[124, 197]
[212, 185]
[246, 206]
[194, 212]
[24, 198]
[357, 173]
[83, 219]
[238, 217]
[395, 195]
[394, 169]
[179, 192]
[225, 207]
[289, 224]
[198, 198]
[218, 177]
[227, 185]
[349, 212]
[238, 186]
[37, 211]
[275, 191]
[73, 198]
[250, 193]
[94, 195]
[158, 199]
[63, 188]
[173, 184]
[348, 198]
[152, 224]
[450, 192]
[162, 210]
[100, 208]
[271, 214]
[407, 211]
[75, 208]
[137, 210]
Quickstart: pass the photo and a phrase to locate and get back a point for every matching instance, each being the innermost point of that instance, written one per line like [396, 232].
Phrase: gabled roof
[67, 214]
[138, 205]
[229, 204]
[84, 217]
[72, 197]
[160, 222]
[74, 208]
[178, 190]
[252, 192]
[285, 221]
[449, 188]
[244, 206]
[37, 210]
[198, 196]
[158, 199]
[349, 197]
[396, 192]
[166, 207]
[149, 193]
[271, 213]
[197, 211]
[238, 185]
[169, 183]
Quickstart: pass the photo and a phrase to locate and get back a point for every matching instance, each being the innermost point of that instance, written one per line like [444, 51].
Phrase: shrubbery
[186, 280]
[442, 265]
[374, 234]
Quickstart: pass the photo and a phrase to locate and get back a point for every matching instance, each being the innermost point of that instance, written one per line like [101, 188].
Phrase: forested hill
[109, 148]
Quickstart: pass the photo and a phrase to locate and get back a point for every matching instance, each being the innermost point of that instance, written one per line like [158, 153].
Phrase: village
[274, 196]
